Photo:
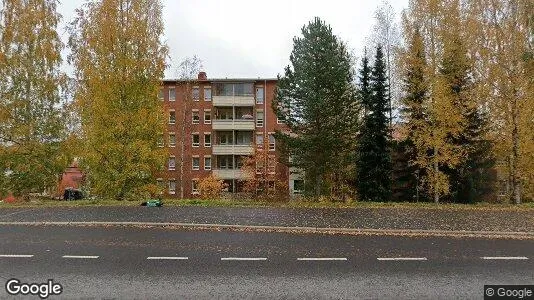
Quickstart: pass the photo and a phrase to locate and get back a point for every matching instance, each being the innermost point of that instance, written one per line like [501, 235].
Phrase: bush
[210, 188]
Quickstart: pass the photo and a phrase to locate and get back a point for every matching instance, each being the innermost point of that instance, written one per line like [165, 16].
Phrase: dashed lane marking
[504, 257]
[81, 256]
[16, 255]
[244, 258]
[401, 258]
[167, 258]
[320, 258]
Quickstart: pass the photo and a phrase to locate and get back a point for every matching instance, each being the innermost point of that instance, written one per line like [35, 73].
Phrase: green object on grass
[153, 203]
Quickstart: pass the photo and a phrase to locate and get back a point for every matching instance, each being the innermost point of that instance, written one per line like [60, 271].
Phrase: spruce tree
[374, 157]
[316, 101]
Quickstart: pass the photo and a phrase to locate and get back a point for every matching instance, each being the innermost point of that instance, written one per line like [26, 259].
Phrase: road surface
[158, 263]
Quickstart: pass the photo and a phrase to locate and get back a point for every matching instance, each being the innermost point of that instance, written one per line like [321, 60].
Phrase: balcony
[232, 149]
[233, 100]
[229, 174]
[238, 124]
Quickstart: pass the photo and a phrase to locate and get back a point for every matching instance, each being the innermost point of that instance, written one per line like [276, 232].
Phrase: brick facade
[234, 108]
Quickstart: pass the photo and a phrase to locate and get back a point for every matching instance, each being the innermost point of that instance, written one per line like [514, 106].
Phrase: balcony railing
[246, 149]
[236, 124]
[233, 100]
[229, 174]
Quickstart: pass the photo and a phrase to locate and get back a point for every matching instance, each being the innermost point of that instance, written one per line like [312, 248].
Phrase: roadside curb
[294, 229]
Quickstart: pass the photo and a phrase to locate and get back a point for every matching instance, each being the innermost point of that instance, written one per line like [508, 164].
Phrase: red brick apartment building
[212, 124]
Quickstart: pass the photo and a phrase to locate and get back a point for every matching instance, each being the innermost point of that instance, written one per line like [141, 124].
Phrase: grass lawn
[253, 203]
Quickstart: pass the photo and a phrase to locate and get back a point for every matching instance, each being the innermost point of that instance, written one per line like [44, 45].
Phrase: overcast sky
[243, 38]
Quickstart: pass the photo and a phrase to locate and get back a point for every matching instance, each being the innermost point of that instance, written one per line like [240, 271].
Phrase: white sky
[243, 38]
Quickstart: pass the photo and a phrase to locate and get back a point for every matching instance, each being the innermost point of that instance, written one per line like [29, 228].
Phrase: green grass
[253, 203]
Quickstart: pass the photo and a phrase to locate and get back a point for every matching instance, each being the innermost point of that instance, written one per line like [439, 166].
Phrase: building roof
[221, 79]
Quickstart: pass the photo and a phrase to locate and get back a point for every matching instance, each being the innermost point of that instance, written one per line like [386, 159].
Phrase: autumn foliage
[210, 188]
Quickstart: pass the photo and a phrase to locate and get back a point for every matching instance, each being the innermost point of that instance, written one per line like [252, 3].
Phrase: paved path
[373, 218]
[157, 263]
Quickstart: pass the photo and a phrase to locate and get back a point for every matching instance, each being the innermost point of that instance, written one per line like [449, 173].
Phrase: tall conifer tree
[374, 157]
[316, 100]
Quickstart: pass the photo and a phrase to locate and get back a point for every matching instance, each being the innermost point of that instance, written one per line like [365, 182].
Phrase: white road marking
[16, 255]
[401, 258]
[321, 258]
[504, 257]
[167, 257]
[80, 256]
[244, 258]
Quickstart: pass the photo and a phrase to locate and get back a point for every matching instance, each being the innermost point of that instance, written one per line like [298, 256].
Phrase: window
[172, 117]
[224, 138]
[224, 89]
[224, 114]
[194, 186]
[196, 163]
[271, 164]
[272, 145]
[239, 162]
[225, 162]
[207, 94]
[196, 117]
[160, 94]
[278, 121]
[259, 140]
[243, 138]
[298, 186]
[161, 142]
[259, 118]
[196, 140]
[207, 116]
[207, 139]
[243, 89]
[195, 93]
[259, 95]
[172, 186]
[244, 113]
[207, 163]
[260, 166]
[172, 139]
[160, 184]
[172, 163]
[172, 94]
[234, 89]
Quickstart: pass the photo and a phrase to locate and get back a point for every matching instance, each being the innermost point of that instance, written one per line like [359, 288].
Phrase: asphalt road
[369, 218]
[158, 263]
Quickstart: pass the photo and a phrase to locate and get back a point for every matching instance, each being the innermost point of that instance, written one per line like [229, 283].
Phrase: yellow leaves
[119, 61]
[210, 187]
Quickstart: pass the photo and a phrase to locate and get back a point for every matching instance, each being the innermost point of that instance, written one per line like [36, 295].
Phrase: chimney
[202, 76]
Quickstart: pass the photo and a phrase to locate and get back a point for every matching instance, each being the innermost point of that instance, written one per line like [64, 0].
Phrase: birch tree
[119, 61]
[386, 33]
[187, 72]
[435, 150]
[31, 85]
[502, 31]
